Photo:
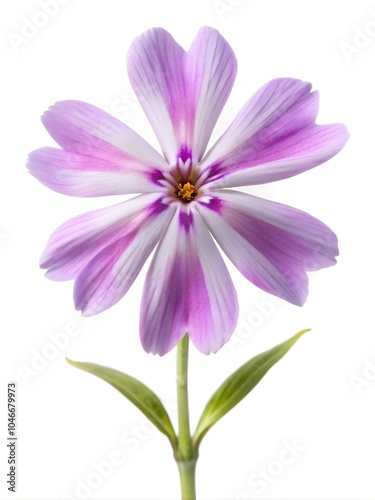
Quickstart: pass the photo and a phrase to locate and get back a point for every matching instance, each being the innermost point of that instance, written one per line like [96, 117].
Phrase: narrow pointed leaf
[137, 392]
[239, 384]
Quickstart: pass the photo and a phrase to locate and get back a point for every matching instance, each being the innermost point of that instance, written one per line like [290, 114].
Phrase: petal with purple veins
[72, 245]
[106, 278]
[105, 249]
[271, 244]
[273, 137]
[187, 289]
[210, 70]
[182, 93]
[100, 156]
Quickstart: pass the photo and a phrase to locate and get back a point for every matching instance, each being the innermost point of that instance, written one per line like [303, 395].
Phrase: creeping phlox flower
[185, 201]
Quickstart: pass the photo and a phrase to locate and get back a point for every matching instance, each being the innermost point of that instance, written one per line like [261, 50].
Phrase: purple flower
[185, 201]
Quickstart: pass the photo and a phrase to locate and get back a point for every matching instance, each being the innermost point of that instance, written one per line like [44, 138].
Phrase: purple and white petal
[271, 244]
[100, 155]
[187, 289]
[155, 69]
[106, 278]
[273, 137]
[182, 93]
[84, 176]
[210, 71]
[82, 128]
[78, 240]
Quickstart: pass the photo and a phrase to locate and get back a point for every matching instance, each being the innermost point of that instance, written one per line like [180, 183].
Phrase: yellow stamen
[186, 191]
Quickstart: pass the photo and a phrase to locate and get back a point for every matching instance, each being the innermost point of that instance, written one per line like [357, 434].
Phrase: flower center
[186, 192]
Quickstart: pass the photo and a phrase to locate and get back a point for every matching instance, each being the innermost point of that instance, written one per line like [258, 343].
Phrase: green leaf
[137, 392]
[239, 384]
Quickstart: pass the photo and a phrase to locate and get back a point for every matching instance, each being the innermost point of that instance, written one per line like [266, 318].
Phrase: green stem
[184, 455]
[184, 439]
[187, 479]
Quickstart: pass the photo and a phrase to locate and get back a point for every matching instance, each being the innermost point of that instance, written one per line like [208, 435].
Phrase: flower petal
[106, 278]
[271, 244]
[105, 249]
[273, 137]
[100, 155]
[210, 71]
[182, 93]
[78, 240]
[187, 289]
[155, 69]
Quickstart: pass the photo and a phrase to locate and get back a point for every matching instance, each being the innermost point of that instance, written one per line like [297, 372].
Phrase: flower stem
[187, 479]
[185, 456]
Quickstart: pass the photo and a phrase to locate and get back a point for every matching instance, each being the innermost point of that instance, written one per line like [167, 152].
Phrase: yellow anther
[185, 191]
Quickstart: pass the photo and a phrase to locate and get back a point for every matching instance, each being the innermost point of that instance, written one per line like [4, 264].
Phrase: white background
[320, 396]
